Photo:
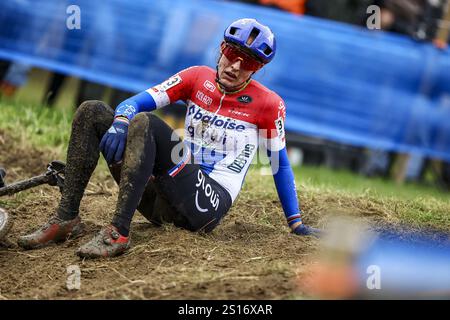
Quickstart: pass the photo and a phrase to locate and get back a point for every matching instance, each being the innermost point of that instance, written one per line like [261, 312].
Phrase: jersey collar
[222, 90]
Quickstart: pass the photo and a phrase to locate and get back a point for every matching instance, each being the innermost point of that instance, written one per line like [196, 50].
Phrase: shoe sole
[95, 256]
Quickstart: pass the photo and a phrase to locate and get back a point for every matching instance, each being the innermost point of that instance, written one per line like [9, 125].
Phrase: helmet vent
[251, 38]
[233, 30]
[266, 49]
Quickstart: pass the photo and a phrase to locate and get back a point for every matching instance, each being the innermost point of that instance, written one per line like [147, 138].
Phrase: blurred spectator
[441, 37]
[446, 175]
[87, 90]
[415, 168]
[402, 16]
[429, 23]
[93, 91]
[51, 92]
[378, 164]
[117, 96]
[416, 18]
[311, 148]
[294, 6]
[344, 157]
[15, 77]
[4, 66]
[349, 11]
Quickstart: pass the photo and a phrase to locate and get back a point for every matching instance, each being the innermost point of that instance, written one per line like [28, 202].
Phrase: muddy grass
[241, 259]
[251, 255]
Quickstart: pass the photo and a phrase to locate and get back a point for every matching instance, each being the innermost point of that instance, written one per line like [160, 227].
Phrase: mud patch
[21, 162]
[241, 259]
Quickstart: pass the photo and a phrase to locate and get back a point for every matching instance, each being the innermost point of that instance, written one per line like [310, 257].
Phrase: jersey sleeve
[271, 126]
[177, 87]
[273, 139]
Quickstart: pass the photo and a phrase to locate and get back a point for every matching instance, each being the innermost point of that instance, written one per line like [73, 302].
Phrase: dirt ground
[251, 255]
[241, 259]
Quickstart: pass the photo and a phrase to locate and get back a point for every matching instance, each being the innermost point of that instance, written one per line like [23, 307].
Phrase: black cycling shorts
[197, 202]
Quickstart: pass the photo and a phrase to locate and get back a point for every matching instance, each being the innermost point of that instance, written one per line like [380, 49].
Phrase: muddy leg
[91, 121]
[148, 151]
[151, 206]
[137, 168]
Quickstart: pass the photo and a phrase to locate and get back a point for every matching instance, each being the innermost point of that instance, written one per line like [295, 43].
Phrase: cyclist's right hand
[303, 230]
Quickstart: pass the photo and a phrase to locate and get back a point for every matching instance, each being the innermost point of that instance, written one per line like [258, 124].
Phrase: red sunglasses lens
[247, 62]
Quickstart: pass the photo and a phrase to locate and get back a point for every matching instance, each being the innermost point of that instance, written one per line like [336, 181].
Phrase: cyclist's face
[232, 73]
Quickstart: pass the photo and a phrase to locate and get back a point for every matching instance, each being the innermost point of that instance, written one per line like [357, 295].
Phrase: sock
[122, 230]
[66, 215]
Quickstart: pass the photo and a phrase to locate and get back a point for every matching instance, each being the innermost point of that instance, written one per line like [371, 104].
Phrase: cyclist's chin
[230, 84]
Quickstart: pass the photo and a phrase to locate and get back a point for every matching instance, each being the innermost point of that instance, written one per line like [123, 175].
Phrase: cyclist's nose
[236, 65]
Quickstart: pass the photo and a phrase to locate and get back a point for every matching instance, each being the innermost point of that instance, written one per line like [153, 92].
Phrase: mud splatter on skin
[138, 133]
[149, 145]
[138, 167]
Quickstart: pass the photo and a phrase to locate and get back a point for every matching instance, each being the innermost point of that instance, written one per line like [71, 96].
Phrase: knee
[141, 122]
[91, 110]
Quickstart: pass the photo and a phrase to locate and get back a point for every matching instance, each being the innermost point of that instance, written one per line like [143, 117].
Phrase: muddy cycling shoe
[54, 231]
[107, 243]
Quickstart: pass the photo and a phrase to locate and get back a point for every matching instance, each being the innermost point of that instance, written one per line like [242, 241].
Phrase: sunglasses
[248, 62]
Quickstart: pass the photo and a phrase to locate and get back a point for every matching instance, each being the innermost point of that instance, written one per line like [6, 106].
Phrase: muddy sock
[137, 168]
[90, 123]
[66, 215]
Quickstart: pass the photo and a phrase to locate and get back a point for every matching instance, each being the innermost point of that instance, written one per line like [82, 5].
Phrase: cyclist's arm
[285, 183]
[175, 88]
[275, 144]
[140, 102]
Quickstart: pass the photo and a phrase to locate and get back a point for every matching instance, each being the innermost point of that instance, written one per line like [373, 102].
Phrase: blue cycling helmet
[263, 45]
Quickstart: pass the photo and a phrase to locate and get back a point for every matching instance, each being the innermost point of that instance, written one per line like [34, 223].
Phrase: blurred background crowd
[421, 20]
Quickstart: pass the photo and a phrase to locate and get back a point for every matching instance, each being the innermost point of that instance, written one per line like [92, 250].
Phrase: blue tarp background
[340, 82]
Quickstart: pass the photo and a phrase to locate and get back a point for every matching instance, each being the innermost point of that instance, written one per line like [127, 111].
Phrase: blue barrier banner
[340, 82]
